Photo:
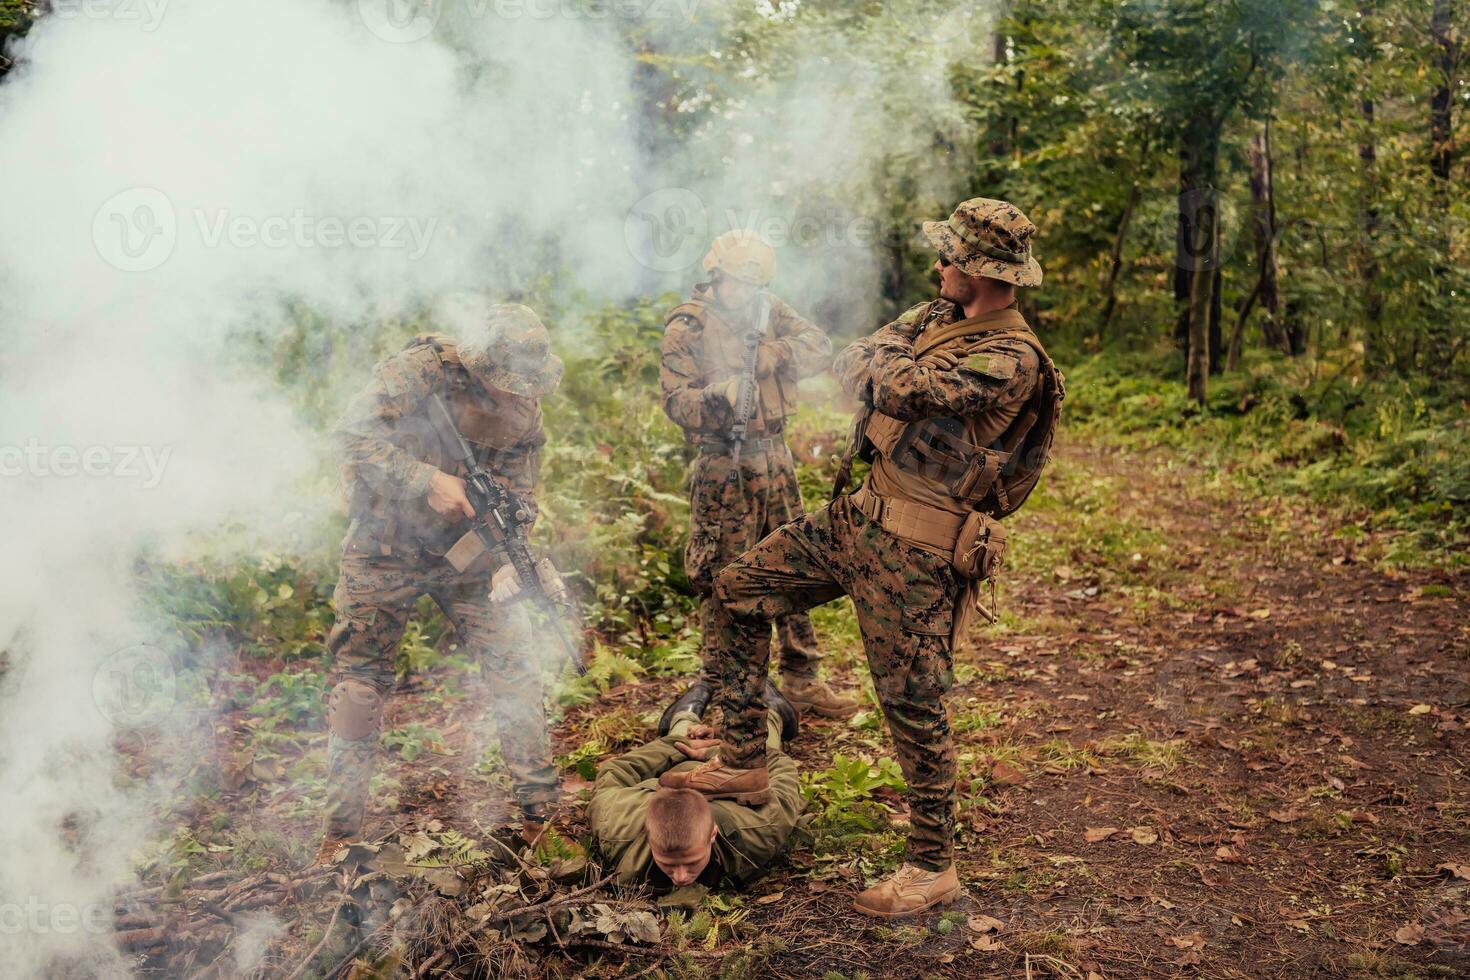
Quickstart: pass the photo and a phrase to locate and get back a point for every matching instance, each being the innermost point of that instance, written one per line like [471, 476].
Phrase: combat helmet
[742, 254]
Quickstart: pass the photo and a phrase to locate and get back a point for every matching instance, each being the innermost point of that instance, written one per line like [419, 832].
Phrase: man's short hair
[678, 820]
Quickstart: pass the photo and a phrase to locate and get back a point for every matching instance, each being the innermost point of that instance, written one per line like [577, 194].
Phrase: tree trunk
[1197, 253]
[1441, 160]
[1263, 209]
[1110, 288]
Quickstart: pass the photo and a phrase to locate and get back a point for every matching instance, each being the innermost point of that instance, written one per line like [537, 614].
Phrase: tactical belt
[723, 447]
[920, 525]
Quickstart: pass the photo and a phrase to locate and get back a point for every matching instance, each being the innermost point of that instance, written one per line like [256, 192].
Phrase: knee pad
[354, 709]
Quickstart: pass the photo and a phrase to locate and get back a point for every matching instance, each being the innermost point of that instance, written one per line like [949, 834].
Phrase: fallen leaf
[1144, 835]
[984, 944]
[1461, 871]
[1095, 834]
[1006, 774]
[817, 887]
[1190, 958]
[1286, 816]
[771, 898]
[1411, 935]
[982, 924]
[1420, 709]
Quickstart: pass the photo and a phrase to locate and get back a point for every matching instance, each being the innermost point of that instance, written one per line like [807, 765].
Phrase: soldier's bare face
[735, 294]
[955, 286]
[685, 865]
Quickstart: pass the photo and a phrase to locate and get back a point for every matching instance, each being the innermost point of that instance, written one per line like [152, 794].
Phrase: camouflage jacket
[987, 387]
[389, 448]
[703, 349]
[750, 838]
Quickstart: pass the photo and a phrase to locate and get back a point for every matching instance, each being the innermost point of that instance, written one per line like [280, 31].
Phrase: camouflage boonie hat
[987, 238]
[504, 345]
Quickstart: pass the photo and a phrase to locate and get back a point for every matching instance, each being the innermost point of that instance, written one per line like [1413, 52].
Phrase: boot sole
[947, 899]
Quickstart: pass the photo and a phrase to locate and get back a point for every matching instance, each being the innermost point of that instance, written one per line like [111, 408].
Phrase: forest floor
[1209, 737]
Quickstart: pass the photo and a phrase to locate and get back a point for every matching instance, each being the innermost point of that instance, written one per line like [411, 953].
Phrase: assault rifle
[502, 520]
[745, 395]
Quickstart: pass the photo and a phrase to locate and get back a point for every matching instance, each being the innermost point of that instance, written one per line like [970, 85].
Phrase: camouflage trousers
[728, 516]
[374, 600]
[905, 600]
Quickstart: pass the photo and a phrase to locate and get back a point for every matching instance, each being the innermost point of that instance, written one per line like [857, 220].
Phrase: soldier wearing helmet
[733, 504]
[406, 499]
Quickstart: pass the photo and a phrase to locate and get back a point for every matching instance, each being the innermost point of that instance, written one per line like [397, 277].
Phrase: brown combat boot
[908, 891]
[718, 781]
[811, 695]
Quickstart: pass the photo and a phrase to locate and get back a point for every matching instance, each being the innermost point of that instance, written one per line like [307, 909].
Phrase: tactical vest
[722, 358]
[491, 421]
[995, 478]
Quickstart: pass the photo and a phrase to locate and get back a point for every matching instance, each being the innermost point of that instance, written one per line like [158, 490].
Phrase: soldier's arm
[854, 366]
[908, 389]
[361, 437]
[688, 402]
[800, 349]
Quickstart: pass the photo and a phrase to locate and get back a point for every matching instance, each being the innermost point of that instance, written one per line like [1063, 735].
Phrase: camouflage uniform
[906, 596]
[394, 552]
[730, 511]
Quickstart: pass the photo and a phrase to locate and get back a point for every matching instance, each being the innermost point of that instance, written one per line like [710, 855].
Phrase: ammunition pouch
[980, 547]
[354, 710]
[937, 450]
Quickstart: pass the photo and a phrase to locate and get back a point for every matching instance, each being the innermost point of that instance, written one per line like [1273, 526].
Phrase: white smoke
[175, 171]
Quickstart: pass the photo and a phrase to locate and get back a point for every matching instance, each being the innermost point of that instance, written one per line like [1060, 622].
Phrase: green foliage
[290, 699]
[1326, 427]
[842, 796]
[412, 741]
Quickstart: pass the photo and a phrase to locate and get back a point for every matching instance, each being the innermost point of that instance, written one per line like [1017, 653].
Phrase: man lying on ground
[673, 838]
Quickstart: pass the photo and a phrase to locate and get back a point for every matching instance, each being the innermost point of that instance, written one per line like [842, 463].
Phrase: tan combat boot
[811, 695]
[908, 891]
[717, 781]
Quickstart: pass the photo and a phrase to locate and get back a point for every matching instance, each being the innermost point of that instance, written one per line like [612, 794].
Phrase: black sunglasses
[944, 263]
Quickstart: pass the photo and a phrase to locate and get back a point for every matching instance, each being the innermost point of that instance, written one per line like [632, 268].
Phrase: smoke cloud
[181, 168]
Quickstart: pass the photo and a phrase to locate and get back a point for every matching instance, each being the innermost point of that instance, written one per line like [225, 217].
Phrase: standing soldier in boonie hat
[408, 509]
[960, 402]
[742, 488]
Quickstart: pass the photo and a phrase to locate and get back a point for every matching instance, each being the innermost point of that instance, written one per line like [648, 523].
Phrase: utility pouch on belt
[980, 547]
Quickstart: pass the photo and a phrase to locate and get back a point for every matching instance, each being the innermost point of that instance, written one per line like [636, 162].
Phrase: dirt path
[1275, 729]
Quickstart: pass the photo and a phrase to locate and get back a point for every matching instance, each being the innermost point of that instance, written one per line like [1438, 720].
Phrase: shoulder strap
[1009, 322]
[692, 310]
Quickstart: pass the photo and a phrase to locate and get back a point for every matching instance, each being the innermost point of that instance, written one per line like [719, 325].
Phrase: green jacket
[750, 838]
